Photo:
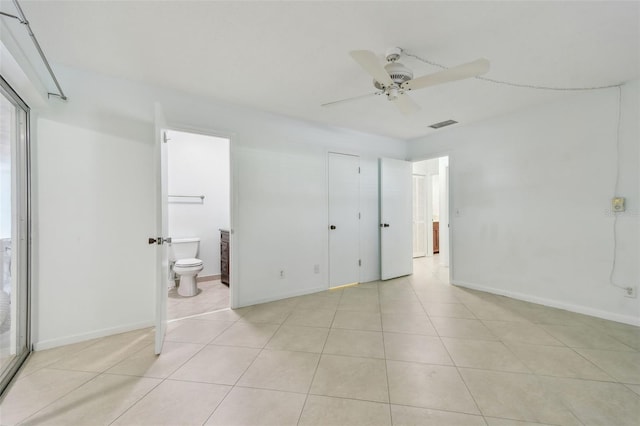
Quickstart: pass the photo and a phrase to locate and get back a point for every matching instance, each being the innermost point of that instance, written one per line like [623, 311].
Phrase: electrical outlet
[631, 292]
[617, 204]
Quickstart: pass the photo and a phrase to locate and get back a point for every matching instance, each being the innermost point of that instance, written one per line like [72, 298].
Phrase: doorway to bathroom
[198, 210]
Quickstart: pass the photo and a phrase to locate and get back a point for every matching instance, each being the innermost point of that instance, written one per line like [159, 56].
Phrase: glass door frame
[22, 221]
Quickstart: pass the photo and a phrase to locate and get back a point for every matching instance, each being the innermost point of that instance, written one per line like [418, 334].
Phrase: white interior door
[344, 217]
[162, 228]
[419, 216]
[396, 240]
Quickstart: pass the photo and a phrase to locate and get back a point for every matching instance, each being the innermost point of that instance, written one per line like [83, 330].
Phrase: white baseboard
[204, 278]
[281, 296]
[76, 338]
[626, 319]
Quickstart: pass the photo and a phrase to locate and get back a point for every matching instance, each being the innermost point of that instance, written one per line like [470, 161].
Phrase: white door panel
[344, 247]
[396, 202]
[162, 229]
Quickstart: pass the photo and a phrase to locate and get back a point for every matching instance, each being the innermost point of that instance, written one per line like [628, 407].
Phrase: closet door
[396, 202]
[343, 227]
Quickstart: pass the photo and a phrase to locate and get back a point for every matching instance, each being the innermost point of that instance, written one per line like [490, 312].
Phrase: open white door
[396, 202]
[344, 202]
[162, 229]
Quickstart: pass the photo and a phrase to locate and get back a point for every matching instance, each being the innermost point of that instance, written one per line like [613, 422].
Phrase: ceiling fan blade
[370, 63]
[405, 104]
[355, 98]
[471, 69]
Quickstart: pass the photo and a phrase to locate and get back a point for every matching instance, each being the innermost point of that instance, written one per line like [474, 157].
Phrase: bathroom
[198, 209]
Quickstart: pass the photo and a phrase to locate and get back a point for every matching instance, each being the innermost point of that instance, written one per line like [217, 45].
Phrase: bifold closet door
[396, 203]
[343, 227]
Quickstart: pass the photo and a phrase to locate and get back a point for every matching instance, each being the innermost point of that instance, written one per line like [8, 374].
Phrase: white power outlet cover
[617, 204]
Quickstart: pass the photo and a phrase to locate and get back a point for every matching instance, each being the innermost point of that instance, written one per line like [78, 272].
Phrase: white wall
[199, 165]
[94, 202]
[531, 202]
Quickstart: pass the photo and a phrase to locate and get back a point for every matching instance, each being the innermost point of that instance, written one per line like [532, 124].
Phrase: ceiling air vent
[443, 124]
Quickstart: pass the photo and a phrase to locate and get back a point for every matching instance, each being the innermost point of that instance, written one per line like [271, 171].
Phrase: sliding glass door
[14, 233]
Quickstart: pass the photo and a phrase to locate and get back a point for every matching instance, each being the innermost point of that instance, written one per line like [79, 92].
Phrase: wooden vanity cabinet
[224, 257]
[436, 237]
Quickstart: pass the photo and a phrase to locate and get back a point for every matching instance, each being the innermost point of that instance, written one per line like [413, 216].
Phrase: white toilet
[182, 255]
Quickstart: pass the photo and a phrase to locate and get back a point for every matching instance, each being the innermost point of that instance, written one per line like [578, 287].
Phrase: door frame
[451, 183]
[24, 246]
[234, 268]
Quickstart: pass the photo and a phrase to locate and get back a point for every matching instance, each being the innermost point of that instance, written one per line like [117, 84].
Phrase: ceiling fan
[394, 79]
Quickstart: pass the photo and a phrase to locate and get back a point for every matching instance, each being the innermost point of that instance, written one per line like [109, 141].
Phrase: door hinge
[358, 170]
[165, 139]
[359, 262]
[359, 217]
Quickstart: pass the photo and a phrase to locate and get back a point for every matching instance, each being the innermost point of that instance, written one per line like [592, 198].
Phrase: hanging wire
[617, 144]
[615, 192]
[509, 83]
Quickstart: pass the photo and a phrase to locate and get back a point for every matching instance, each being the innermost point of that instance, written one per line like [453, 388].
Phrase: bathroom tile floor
[212, 296]
[410, 351]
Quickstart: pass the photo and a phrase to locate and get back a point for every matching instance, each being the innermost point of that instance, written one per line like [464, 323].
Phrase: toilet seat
[188, 263]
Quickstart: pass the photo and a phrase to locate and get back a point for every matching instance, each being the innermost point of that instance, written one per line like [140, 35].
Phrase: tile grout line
[313, 377]
[452, 360]
[164, 379]
[384, 354]
[59, 398]
[232, 387]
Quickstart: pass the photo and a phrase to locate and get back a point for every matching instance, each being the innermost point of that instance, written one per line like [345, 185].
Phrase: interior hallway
[413, 350]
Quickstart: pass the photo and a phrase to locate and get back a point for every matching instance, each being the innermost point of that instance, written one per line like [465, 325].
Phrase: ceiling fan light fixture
[392, 93]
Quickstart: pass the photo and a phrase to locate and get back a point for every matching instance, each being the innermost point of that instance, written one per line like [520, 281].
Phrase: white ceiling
[289, 57]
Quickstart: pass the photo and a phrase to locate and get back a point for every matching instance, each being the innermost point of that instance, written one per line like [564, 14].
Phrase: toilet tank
[183, 248]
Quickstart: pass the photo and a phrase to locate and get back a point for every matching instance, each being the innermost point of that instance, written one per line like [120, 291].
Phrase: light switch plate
[617, 204]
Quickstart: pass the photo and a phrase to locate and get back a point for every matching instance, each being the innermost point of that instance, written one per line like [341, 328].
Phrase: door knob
[386, 225]
[332, 227]
[159, 240]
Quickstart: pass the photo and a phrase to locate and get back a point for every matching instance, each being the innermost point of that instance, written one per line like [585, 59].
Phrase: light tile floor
[410, 351]
[212, 295]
